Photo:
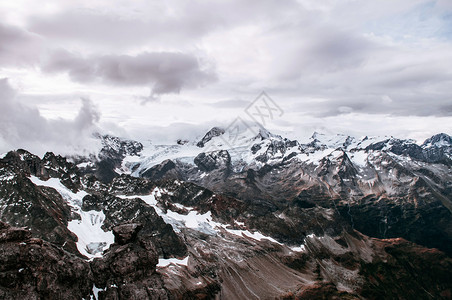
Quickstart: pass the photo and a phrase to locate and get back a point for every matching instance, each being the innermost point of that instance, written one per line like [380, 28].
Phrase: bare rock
[36, 269]
[126, 233]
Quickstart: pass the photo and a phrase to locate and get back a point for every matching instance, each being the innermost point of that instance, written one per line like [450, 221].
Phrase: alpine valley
[230, 215]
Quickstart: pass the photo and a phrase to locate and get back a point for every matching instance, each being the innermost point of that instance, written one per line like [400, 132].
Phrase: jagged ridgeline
[264, 218]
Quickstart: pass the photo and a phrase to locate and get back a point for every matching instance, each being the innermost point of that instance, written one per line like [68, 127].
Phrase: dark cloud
[23, 126]
[164, 72]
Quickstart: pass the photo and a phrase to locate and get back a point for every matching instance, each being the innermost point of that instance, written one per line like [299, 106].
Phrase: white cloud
[388, 60]
[24, 127]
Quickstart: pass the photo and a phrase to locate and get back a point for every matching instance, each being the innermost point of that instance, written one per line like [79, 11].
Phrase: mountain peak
[214, 132]
[438, 140]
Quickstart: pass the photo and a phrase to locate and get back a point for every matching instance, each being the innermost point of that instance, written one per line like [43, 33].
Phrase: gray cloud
[164, 72]
[231, 103]
[99, 28]
[23, 126]
[18, 47]
[173, 23]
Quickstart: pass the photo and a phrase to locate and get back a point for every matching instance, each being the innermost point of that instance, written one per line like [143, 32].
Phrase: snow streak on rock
[92, 239]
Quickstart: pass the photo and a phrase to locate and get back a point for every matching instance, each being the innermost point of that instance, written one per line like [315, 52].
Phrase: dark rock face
[23, 162]
[119, 211]
[126, 233]
[127, 269]
[215, 131]
[274, 149]
[110, 157]
[210, 161]
[41, 209]
[35, 269]
[408, 271]
[165, 170]
[182, 142]
[437, 149]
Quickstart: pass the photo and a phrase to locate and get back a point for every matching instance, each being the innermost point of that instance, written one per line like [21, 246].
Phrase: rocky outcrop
[127, 268]
[24, 204]
[214, 160]
[214, 132]
[167, 169]
[51, 165]
[113, 151]
[31, 268]
[126, 233]
[119, 211]
[407, 271]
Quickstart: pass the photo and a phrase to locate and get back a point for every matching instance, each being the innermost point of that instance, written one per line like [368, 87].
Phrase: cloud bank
[165, 72]
[24, 127]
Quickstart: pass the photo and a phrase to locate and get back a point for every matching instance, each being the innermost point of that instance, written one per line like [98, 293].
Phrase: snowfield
[92, 240]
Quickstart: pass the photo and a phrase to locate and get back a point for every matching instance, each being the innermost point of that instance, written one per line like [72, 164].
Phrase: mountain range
[232, 215]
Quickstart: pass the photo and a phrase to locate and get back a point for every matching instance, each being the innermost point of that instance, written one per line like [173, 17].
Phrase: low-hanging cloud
[23, 126]
[164, 72]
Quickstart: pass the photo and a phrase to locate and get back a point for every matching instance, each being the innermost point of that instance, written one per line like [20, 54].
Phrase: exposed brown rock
[126, 233]
[36, 269]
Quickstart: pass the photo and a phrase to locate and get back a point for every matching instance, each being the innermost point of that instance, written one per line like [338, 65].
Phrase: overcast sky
[172, 69]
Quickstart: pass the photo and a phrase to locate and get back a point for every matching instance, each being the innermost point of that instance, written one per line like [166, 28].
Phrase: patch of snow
[359, 158]
[194, 220]
[85, 164]
[152, 155]
[96, 291]
[246, 233]
[302, 248]
[314, 157]
[73, 199]
[180, 206]
[164, 262]
[127, 163]
[6, 177]
[239, 223]
[92, 239]
[367, 141]
[330, 140]
[312, 236]
[2, 156]
[148, 199]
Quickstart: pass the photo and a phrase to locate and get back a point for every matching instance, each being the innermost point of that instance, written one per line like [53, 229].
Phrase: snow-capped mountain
[367, 179]
[219, 216]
